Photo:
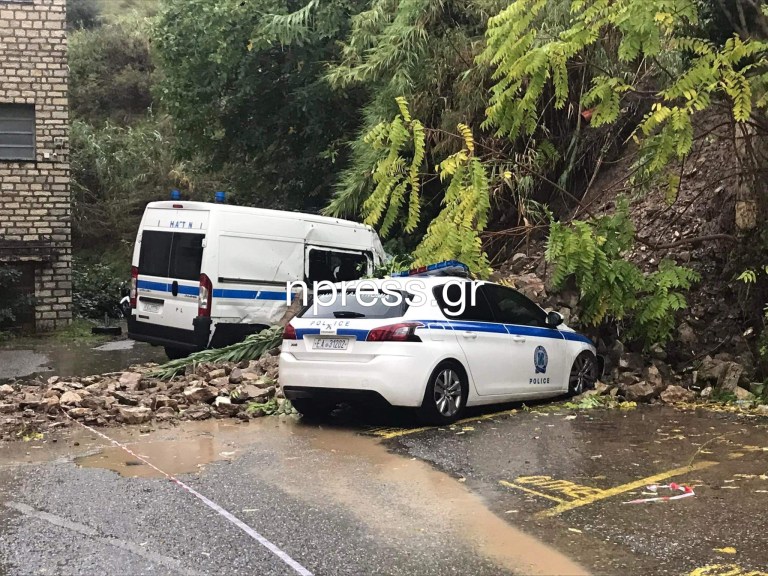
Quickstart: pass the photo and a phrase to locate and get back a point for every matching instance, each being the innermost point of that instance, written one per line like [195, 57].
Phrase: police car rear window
[362, 305]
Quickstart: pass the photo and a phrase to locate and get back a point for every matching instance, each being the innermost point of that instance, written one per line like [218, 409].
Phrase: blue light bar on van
[446, 268]
[175, 194]
[220, 197]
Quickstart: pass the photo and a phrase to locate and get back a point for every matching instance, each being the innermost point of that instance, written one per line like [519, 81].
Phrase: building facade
[35, 226]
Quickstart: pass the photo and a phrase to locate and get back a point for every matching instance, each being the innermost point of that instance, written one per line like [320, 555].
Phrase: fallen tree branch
[696, 240]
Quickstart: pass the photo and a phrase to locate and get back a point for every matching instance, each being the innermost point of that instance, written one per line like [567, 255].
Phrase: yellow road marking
[387, 433]
[534, 492]
[603, 494]
[725, 570]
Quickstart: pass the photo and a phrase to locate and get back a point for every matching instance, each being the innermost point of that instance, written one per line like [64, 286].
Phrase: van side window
[334, 266]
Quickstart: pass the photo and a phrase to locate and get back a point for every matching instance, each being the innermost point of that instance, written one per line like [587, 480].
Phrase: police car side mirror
[554, 319]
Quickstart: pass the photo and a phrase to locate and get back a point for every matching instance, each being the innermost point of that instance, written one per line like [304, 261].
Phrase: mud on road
[515, 492]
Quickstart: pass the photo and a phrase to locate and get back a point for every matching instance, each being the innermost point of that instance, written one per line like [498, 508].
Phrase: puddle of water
[430, 500]
[394, 496]
[75, 358]
[187, 450]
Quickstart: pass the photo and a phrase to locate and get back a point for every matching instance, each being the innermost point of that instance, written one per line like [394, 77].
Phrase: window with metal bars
[17, 132]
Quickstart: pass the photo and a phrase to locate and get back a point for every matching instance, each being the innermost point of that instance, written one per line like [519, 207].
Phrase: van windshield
[171, 254]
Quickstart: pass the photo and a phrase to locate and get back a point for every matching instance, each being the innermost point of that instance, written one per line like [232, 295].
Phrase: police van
[207, 275]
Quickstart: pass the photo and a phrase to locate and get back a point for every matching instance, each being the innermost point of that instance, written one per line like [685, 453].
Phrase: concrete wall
[34, 196]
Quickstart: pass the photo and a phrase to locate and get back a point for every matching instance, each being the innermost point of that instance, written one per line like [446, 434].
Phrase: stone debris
[133, 397]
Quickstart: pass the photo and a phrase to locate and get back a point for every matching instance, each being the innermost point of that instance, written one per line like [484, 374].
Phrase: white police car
[439, 343]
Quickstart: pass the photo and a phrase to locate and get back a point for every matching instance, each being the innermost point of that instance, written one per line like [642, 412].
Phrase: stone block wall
[34, 196]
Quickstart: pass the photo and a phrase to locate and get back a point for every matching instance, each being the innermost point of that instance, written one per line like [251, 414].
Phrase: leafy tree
[83, 14]
[251, 106]
[110, 72]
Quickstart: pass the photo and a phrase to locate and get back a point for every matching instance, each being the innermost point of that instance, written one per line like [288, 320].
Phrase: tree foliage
[595, 255]
[110, 72]
[252, 106]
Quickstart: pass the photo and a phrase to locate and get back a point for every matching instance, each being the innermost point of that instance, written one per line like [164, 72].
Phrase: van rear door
[169, 277]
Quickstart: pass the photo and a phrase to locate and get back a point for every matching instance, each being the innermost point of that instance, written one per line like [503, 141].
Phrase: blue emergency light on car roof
[445, 268]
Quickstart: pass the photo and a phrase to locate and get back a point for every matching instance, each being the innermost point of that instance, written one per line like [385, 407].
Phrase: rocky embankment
[246, 390]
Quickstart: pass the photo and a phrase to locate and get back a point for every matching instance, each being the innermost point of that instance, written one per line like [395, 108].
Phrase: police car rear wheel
[583, 374]
[446, 394]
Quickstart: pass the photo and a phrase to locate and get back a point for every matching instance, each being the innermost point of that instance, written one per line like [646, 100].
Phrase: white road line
[298, 568]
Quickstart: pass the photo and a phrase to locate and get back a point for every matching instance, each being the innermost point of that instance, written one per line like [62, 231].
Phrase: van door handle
[175, 288]
[469, 335]
[518, 338]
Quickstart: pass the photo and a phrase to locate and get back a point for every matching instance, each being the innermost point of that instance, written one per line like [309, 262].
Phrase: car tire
[583, 374]
[445, 398]
[312, 408]
[175, 353]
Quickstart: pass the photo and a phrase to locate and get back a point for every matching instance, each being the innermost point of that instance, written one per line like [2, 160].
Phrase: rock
[130, 381]
[762, 409]
[70, 398]
[196, 394]
[757, 388]
[657, 352]
[640, 392]
[743, 395]
[32, 401]
[710, 370]
[222, 400]
[162, 401]
[51, 404]
[687, 336]
[631, 362]
[134, 414]
[218, 373]
[6, 390]
[127, 399]
[652, 375]
[224, 406]
[8, 408]
[94, 402]
[674, 394]
[219, 383]
[80, 413]
[201, 412]
[730, 376]
[52, 380]
[601, 388]
[236, 376]
[707, 392]
[165, 413]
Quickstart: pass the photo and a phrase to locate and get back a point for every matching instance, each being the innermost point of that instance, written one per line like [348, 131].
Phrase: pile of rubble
[246, 390]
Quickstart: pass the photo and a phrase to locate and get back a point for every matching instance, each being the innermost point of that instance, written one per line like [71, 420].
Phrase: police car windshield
[365, 304]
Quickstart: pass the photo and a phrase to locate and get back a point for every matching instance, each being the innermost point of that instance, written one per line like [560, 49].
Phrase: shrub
[96, 290]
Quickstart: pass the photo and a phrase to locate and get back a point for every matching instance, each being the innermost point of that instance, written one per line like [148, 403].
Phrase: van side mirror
[554, 319]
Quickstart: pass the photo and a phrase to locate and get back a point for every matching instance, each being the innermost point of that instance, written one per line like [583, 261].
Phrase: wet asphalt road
[527, 492]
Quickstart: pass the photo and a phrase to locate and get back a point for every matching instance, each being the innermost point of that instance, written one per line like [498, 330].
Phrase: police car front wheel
[583, 374]
[446, 395]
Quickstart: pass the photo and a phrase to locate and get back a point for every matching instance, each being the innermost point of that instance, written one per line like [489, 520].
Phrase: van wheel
[313, 408]
[175, 353]
[446, 395]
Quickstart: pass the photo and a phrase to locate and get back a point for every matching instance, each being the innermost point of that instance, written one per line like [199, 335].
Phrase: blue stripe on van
[249, 294]
[165, 287]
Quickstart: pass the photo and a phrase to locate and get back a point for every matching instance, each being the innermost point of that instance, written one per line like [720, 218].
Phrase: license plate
[330, 344]
[152, 307]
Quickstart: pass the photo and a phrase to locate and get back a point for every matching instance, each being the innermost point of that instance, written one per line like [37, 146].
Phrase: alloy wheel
[447, 395]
